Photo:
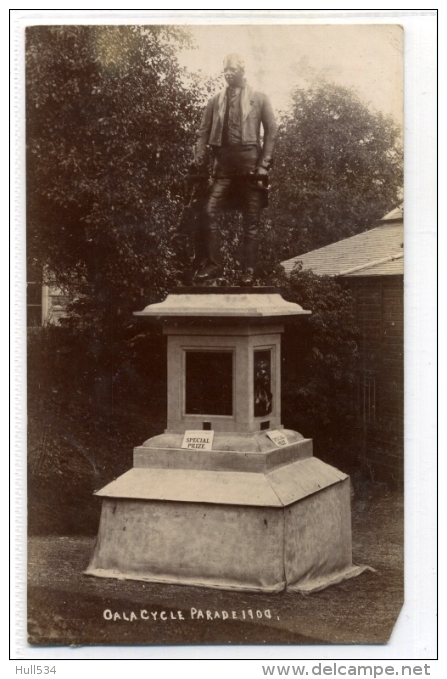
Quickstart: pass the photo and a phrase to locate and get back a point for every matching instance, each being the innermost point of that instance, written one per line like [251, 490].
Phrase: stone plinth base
[282, 520]
[256, 512]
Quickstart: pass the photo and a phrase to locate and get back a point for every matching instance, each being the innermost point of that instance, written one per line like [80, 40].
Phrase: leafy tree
[320, 358]
[338, 168]
[111, 119]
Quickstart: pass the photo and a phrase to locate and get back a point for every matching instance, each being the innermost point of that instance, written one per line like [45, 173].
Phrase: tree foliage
[338, 168]
[321, 360]
[111, 119]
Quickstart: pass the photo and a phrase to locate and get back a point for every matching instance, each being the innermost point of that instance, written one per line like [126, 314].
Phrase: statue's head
[234, 69]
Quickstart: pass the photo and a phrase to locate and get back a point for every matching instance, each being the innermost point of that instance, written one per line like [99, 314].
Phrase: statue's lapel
[221, 104]
[247, 101]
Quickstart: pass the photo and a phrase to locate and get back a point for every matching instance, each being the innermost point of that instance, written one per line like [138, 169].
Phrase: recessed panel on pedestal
[209, 383]
[262, 382]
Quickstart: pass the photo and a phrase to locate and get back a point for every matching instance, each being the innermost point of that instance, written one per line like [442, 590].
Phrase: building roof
[377, 252]
[395, 215]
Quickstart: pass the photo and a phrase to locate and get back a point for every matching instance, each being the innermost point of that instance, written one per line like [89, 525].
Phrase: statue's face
[233, 73]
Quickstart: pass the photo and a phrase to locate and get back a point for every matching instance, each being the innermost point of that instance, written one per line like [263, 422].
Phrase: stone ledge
[224, 290]
[161, 454]
[226, 305]
[277, 488]
[243, 442]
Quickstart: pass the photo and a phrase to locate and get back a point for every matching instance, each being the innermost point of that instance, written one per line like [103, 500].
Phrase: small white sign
[198, 440]
[277, 438]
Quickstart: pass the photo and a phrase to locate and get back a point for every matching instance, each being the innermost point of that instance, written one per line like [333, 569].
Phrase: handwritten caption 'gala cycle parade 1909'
[192, 614]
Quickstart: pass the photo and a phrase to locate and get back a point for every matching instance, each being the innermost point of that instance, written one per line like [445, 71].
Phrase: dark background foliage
[111, 118]
[111, 121]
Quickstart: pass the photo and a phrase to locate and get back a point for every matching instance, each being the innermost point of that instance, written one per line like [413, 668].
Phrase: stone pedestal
[256, 511]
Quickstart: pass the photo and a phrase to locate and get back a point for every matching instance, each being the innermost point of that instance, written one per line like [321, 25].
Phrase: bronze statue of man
[231, 126]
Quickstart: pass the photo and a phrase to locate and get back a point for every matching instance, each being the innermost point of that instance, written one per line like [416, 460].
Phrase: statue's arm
[270, 132]
[203, 134]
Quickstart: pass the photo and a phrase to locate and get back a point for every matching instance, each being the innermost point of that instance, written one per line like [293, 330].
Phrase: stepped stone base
[259, 520]
[249, 514]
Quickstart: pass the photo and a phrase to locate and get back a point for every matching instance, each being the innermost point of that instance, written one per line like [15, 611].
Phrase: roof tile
[365, 250]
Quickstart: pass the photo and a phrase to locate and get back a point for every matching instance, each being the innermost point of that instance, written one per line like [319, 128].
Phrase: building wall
[380, 399]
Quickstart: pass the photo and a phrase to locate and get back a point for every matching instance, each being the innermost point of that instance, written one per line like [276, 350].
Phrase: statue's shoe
[208, 272]
[247, 278]
[217, 282]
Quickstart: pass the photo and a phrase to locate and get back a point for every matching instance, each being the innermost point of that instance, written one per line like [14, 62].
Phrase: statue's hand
[261, 171]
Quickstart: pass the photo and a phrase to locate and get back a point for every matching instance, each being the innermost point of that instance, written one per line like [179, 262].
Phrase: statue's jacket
[255, 109]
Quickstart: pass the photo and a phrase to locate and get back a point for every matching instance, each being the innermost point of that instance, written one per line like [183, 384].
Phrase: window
[33, 304]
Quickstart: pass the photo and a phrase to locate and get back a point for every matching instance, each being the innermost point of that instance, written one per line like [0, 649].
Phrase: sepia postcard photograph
[215, 333]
